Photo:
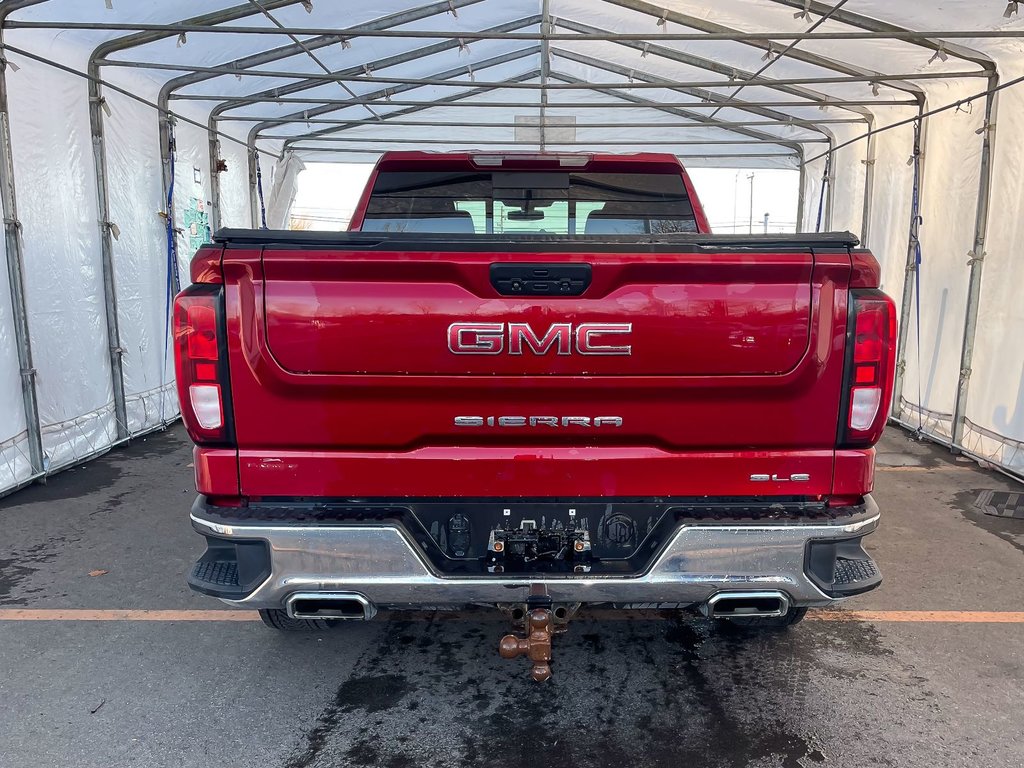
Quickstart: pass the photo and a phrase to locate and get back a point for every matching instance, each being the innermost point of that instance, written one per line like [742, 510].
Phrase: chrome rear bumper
[382, 564]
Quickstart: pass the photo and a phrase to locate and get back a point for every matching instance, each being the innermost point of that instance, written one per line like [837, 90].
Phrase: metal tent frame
[845, 95]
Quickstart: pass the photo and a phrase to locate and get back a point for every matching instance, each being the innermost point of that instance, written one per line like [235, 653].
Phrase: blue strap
[259, 190]
[172, 242]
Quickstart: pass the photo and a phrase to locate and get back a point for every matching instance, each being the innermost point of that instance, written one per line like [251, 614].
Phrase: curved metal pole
[640, 76]
[169, 88]
[772, 36]
[254, 213]
[830, 178]
[108, 229]
[280, 93]
[690, 59]
[869, 186]
[282, 74]
[910, 273]
[814, 59]
[114, 349]
[16, 275]
[230, 102]
[801, 194]
[545, 70]
[293, 139]
[953, 49]
[700, 93]
[867, 23]
[677, 110]
[457, 97]
[977, 262]
[709, 27]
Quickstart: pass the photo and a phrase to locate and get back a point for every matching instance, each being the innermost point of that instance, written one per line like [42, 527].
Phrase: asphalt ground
[127, 667]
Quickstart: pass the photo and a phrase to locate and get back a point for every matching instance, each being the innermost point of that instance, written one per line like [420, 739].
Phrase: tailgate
[356, 352]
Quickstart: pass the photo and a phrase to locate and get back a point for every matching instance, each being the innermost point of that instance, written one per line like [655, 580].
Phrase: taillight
[200, 364]
[870, 366]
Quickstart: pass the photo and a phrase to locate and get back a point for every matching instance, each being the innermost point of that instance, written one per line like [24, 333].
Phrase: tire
[792, 616]
[280, 620]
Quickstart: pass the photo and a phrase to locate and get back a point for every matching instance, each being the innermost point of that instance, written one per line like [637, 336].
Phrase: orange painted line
[86, 614]
[944, 468]
[929, 617]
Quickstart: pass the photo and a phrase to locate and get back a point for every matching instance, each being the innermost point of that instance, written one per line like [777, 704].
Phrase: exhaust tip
[321, 605]
[726, 605]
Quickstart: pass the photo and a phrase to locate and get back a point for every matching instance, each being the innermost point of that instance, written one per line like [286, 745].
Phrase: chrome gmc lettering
[467, 338]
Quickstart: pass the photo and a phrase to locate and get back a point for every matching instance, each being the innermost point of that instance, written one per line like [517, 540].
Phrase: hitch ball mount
[542, 621]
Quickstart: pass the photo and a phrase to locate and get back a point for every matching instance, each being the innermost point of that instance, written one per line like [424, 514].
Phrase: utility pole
[750, 218]
[735, 202]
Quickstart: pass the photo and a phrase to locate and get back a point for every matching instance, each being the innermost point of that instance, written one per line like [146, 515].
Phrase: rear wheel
[279, 619]
[791, 617]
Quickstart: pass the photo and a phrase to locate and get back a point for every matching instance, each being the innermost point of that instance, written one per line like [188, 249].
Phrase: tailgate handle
[540, 279]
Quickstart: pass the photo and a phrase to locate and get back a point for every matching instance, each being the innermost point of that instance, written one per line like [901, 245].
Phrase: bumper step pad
[230, 569]
[219, 573]
[851, 572]
[842, 568]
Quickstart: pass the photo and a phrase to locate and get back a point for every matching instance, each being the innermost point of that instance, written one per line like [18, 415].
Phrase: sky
[328, 193]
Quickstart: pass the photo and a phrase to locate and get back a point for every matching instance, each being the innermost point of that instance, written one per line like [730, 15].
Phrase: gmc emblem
[467, 338]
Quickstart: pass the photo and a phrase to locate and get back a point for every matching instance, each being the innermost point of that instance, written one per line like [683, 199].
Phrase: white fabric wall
[191, 193]
[283, 186]
[57, 205]
[53, 163]
[140, 261]
[995, 407]
[814, 174]
[234, 186]
[848, 187]
[15, 467]
[890, 210]
[949, 194]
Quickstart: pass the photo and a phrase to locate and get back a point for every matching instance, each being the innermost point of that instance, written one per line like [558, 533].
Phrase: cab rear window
[529, 202]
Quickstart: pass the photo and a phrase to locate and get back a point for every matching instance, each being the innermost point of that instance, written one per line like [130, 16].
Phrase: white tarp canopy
[902, 118]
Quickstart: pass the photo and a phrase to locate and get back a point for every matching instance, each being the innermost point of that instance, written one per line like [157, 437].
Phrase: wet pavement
[430, 690]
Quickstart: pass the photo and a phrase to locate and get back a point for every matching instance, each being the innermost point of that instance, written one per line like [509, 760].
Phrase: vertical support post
[16, 278]
[545, 67]
[166, 171]
[869, 184]
[215, 218]
[977, 262]
[165, 154]
[253, 196]
[910, 274]
[801, 195]
[830, 175]
[821, 216]
[107, 227]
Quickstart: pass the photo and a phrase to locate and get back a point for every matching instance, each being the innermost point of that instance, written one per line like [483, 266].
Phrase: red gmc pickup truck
[533, 382]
